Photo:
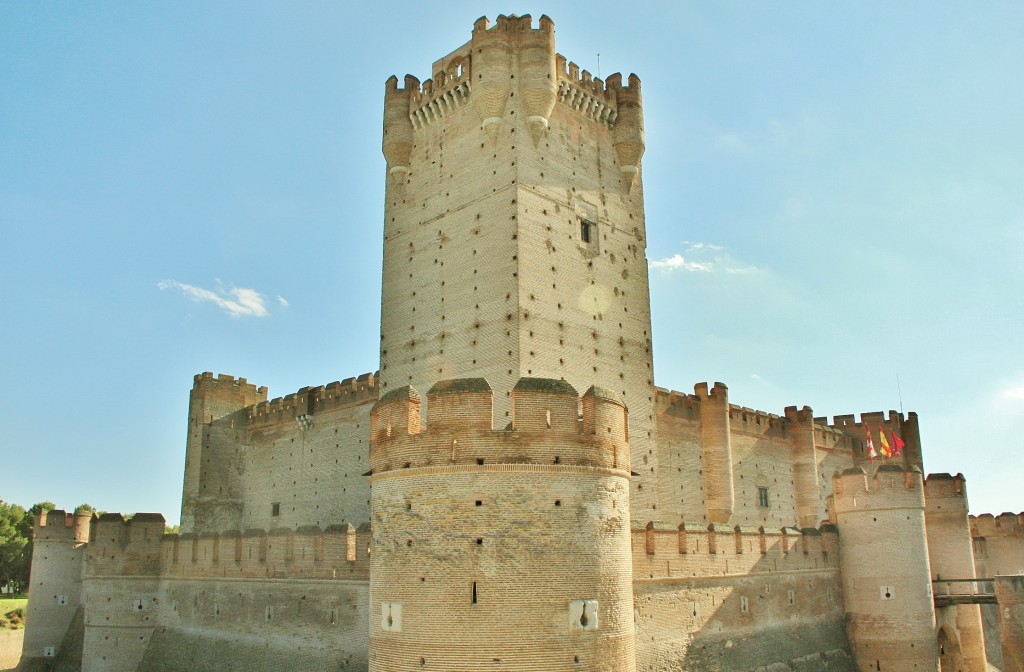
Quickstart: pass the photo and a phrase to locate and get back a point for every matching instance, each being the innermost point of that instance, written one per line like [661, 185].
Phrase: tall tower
[514, 233]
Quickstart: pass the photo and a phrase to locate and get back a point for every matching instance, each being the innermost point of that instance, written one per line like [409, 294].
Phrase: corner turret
[210, 493]
[630, 139]
[59, 541]
[397, 142]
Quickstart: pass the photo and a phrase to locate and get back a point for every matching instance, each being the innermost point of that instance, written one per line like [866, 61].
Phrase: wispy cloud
[1013, 393]
[235, 301]
[703, 258]
[677, 263]
[282, 301]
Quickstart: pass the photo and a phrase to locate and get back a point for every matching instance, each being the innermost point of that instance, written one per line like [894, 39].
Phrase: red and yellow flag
[883, 443]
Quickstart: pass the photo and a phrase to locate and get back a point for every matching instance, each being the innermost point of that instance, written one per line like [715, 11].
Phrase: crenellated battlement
[941, 488]
[58, 524]
[663, 550]
[769, 423]
[337, 552]
[308, 401]
[675, 403]
[592, 97]
[125, 546]
[891, 486]
[551, 425]
[716, 391]
[875, 418]
[1004, 525]
[206, 380]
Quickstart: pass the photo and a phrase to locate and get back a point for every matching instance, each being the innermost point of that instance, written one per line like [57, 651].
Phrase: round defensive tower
[59, 540]
[884, 555]
[502, 549]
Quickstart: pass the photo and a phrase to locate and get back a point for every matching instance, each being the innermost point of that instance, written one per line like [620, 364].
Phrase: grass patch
[12, 611]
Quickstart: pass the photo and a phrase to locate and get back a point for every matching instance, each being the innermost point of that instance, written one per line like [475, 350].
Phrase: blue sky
[835, 197]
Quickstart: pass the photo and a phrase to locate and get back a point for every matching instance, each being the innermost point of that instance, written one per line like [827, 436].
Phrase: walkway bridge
[948, 592]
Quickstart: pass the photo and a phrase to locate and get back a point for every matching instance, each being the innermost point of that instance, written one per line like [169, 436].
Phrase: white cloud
[676, 263]
[1013, 393]
[282, 301]
[704, 258]
[235, 301]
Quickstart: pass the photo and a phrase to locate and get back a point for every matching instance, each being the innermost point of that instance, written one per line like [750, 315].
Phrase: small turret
[492, 70]
[538, 81]
[630, 140]
[805, 465]
[719, 490]
[397, 143]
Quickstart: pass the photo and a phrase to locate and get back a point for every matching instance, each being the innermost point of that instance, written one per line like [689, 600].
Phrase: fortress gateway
[511, 491]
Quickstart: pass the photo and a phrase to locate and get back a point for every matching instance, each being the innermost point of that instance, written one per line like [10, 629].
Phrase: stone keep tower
[500, 549]
[514, 234]
[887, 589]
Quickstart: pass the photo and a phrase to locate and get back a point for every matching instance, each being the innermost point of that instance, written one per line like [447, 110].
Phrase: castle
[511, 491]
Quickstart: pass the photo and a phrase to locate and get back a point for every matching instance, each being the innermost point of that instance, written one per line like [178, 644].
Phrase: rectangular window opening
[474, 592]
[275, 509]
[762, 497]
[585, 230]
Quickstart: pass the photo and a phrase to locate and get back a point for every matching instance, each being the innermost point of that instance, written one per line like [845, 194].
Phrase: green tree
[13, 545]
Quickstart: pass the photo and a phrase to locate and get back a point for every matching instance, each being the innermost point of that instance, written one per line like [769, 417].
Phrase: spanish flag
[883, 443]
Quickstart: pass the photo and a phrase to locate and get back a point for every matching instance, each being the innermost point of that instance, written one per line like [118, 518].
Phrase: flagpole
[899, 392]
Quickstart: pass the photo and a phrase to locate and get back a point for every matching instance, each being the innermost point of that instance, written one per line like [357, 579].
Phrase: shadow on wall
[723, 599]
[172, 650]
